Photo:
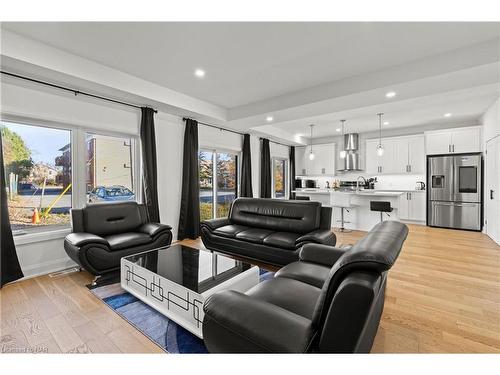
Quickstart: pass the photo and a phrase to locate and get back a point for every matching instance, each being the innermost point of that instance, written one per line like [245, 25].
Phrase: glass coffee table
[176, 280]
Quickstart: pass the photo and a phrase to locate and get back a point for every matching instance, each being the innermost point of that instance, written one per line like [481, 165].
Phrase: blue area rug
[164, 332]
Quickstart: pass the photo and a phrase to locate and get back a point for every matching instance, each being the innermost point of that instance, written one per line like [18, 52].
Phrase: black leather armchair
[269, 230]
[104, 233]
[330, 301]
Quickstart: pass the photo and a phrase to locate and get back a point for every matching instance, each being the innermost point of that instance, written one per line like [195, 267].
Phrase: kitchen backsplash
[385, 182]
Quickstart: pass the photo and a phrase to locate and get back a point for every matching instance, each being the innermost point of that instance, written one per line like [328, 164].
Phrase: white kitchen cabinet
[322, 164]
[412, 206]
[402, 155]
[300, 161]
[453, 141]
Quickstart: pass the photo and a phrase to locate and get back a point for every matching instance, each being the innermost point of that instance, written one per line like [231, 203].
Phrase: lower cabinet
[412, 206]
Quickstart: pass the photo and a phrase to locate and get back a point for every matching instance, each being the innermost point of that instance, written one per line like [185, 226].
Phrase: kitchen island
[356, 204]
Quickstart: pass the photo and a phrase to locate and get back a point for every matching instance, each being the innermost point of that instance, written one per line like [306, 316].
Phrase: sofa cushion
[104, 219]
[292, 295]
[230, 231]
[310, 273]
[255, 235]
[277, 215]
[285, 240]
[125, 240]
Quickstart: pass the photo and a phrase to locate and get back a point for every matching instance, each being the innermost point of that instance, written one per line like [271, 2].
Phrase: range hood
[351, 161]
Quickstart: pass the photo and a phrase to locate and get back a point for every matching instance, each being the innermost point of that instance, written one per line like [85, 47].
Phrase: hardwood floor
[443, 296]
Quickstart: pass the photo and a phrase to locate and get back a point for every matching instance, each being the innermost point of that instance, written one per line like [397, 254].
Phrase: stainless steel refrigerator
[454, 198]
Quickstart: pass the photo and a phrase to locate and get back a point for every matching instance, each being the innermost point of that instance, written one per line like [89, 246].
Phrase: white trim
[48, 235]
[45, 268]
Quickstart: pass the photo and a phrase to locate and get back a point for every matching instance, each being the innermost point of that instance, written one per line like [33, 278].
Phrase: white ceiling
[252, 62]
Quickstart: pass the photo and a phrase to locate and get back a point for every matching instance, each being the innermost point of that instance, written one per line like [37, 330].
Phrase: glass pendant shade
[311, 156]
[380, 150]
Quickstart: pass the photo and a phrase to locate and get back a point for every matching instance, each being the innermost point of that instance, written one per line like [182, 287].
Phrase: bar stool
[302, 198]
[342, 221]
[380, 206]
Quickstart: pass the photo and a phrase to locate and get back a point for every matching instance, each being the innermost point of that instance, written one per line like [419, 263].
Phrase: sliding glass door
[218, 183]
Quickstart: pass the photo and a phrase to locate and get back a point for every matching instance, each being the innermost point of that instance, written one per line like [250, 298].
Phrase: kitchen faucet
[357, 182]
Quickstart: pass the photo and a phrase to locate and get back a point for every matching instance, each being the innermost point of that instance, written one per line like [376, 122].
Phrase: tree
[17, 156]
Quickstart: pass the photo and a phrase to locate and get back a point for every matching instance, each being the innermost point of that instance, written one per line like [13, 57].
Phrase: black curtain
[149, 171]
[246, 168]
[10, 270]
[265, 170]
[292, 172]
[189, 219]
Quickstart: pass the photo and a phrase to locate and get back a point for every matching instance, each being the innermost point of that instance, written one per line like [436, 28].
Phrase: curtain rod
[76, 92]
[229, 130]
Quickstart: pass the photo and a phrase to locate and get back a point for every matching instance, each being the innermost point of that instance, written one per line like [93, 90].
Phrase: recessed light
[386, 122]
[447, 114]
[337, 130]
[390, 94]
[269, 118]
[200, 73]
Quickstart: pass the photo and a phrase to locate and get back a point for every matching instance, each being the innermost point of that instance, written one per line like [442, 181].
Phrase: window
[49, 170]
[109, 172]
[218, 183]
[279, 178]
[38, 168]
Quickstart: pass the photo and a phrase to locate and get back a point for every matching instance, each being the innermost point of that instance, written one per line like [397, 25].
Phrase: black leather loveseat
[104, 233]
[269, 230]
[330, 301]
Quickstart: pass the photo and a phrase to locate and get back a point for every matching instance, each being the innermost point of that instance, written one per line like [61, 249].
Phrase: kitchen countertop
[368, 192]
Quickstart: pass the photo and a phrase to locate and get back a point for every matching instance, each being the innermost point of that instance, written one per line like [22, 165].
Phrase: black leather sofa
[104, 233]
[269, 230]
[330, 301]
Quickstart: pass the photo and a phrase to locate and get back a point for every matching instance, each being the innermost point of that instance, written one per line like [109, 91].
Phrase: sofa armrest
[237, 323]
[321, 254]
[152, 229]
[321, 236]
[81, 238]
[213, 224]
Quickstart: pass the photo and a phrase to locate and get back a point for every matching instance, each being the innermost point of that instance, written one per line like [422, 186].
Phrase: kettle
[420, 185]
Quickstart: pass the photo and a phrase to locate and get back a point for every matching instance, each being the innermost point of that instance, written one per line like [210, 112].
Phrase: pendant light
[380, 148]
[343, 152]
[311, 153]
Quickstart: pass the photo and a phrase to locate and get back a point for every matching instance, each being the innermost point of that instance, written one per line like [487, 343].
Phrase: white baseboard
[47, 267]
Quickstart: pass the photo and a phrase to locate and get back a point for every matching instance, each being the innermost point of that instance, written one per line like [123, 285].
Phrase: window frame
[285, 177]
[78, 171]
[214, 151]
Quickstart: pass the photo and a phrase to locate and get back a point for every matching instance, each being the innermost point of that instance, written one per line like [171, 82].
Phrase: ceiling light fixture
[311, 153]
[380, 148]
[269, 118]
[386, 122]
[337, 130]
[200, 73]
[343, 152]
[447, 114]
[390, 94]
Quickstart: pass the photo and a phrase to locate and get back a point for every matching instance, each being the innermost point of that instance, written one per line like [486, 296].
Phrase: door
[466, 140]
[438, 143]
[467, 172]
[401, 164]
[492, 199]
[417, 206]
[389, 164]
[416, 155]
[300, 162]
[372, 159]
[456, 215]
[441, 178]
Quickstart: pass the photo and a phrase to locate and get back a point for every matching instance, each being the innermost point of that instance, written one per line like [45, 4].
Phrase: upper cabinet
[453, 141]
[322, 164]
[402, 155]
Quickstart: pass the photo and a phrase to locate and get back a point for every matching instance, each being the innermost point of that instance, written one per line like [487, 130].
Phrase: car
[110, 194]
[27, 186]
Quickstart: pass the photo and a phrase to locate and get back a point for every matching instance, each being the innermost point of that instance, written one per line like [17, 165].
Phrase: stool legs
[342, 221]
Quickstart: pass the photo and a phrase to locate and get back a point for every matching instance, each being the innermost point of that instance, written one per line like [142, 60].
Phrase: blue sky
[44, 143]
